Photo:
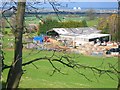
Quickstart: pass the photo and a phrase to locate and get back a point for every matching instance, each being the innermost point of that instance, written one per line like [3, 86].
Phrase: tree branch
[71, 64]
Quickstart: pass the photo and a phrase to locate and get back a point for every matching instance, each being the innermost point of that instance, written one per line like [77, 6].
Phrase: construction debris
[87, 48]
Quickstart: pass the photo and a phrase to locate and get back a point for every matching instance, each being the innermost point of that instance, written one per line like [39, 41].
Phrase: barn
[78, 36]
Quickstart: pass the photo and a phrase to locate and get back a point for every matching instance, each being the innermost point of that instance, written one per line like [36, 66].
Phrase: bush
[71, 24]
[84, 23]
[48, 24]
[5, 32]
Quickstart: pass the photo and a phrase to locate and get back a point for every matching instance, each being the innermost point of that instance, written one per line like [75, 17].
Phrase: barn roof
[92, 36]
[75, 31]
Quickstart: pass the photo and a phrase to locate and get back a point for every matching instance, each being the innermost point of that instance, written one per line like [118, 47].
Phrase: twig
[83, 75]
[35, 65]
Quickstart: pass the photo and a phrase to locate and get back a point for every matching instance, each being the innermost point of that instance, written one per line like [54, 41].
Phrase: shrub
[52, 23]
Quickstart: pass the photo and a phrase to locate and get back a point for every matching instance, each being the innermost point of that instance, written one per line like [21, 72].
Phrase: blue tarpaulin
[39, 38]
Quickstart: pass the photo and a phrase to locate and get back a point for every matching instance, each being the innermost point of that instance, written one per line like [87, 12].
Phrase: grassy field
[40, 78]
[33, 19]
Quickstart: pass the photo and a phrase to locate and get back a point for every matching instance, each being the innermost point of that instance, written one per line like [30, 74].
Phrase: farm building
[78, 36]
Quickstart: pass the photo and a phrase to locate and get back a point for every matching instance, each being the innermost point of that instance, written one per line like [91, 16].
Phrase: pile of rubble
[98, 50]
[86, 49]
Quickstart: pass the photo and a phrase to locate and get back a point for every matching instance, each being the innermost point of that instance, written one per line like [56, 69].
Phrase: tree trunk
[119, 44]
[15, 71]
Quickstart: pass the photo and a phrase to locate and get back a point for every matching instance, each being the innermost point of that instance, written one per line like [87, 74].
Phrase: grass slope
[40, 78]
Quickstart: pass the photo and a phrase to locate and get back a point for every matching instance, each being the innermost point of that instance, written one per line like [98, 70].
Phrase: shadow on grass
[4, 84]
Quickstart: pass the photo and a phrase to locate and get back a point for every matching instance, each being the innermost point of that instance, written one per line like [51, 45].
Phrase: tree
[2, 24]
[13, 23]
[91, 14]
[15, 71]
[84, 23]
[118, 39]
[113, 26]
[109, 25]
[50, 23]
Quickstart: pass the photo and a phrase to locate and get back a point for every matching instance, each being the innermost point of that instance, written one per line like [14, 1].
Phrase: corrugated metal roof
[93, 36]
[75, 31]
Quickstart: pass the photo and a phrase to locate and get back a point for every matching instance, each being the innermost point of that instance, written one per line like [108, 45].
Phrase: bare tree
[118, 36]
[15, 72]
[13, 23]
[109, 25]
[2, 24]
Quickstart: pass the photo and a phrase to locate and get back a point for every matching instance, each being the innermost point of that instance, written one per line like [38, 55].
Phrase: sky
[64, 0]
[79, 3]
[88, 0]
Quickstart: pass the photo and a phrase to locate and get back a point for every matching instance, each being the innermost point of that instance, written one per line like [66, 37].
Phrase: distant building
[79, 35]
[74, 8]
[79, 8]
[73, 31]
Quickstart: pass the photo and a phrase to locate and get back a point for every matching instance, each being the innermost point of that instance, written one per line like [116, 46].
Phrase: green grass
[7, 39]
[34, 20]
[92, 22]
[31, 20]
[40, 78]
[8, 30]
